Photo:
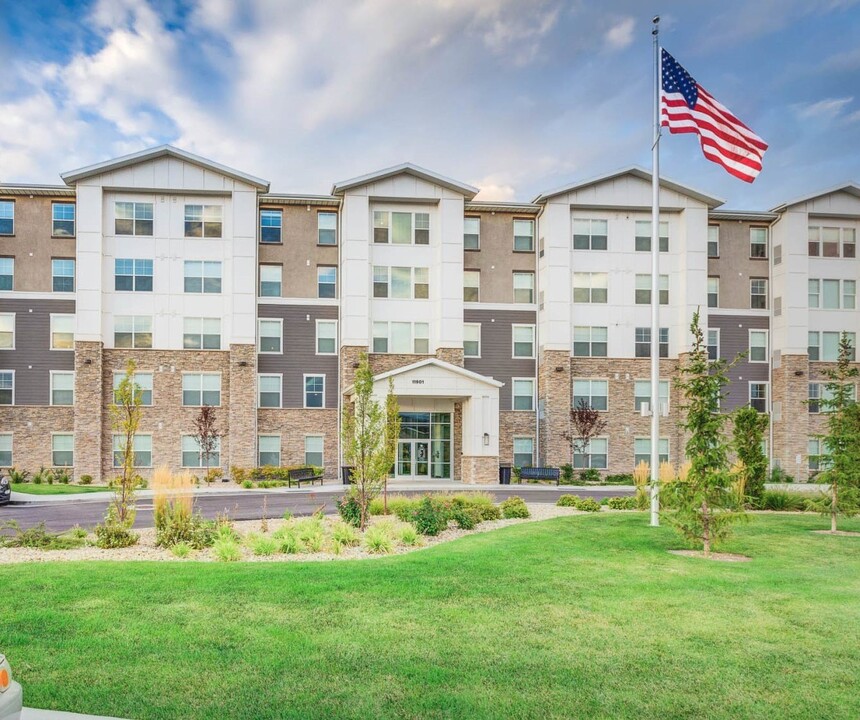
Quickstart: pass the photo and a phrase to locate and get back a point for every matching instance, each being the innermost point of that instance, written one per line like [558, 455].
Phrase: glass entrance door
[413, 459]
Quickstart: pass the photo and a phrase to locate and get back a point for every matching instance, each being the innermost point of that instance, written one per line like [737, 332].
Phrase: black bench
[540, 473]
[300, 475]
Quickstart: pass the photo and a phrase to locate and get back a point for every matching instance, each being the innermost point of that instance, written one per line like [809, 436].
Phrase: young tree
[749, 429]
[369, 441]
[207, 434]
[586, 423]
[840, 447]
[703, 505]
[392, 435]
[125, 419]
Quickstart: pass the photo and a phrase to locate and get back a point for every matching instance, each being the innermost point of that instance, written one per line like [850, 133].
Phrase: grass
[55, 489]
[584, 616]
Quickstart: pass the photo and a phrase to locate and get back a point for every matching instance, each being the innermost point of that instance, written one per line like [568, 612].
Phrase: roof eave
[851, 188]
[467, 191]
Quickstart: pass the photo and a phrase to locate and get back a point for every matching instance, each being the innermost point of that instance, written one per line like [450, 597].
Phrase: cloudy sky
[514, 96]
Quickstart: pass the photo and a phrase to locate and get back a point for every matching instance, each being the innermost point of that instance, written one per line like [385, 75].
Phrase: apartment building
[490, 319]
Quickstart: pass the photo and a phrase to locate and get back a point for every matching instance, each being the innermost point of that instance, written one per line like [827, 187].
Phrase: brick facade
[89, 447]
[514, 423]
[242, 408]
[293, 426]
[554, 406]
[790, 388]
[481, 470]
[31, 427]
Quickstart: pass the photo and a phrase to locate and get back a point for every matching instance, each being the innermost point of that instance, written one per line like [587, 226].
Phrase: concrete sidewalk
[35, 714]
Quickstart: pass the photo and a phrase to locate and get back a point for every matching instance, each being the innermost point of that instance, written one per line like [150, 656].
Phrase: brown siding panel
[734, 339]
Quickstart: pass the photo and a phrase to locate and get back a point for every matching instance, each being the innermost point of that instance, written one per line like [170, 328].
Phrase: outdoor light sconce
[559, 368]
[356, 365]
[798, 373]
[486, 438]
[88, 361]
[243, 363]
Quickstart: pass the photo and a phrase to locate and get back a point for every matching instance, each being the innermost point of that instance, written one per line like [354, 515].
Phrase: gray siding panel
[496, 359]
[299, 352]
[734, 339]
[32, 359]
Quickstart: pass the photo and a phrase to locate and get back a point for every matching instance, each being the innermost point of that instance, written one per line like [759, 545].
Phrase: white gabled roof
[456, 369]
[409, 169]
[642, 174]
[852, 188]
[71, 177]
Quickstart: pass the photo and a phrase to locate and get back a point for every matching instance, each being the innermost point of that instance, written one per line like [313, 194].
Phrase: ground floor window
[813, 451]
[192, 457]
[424, 447]
[642, 450]
[6, 450]
[524, 452]
[62, 450]
[594, 455]
[314, 450]
[142, 445]
[269, 450]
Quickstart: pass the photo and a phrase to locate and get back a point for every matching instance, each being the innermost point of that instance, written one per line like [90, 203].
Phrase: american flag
[686, 107]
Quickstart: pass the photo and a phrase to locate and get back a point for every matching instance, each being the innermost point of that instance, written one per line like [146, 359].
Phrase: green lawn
[584, 616]
[31, 489]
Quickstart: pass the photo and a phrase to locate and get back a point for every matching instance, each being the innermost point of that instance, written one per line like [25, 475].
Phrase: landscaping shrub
[225, 531]
[376, 506]
[227, 550]
[173, 511]
[263, 545]
[378, 540]
[309, 531]
[344, 535]
[402, 507]
[619, 479]
[783, 500]
[85, 480]
[181, 550]
[588, 505]
[517, 474]
[778, 475]
[78, 532]
[62, 477]
[431, 516]
[408, 535]
[114, 534]
[622, 503]
[514, 507]
[36, 537]
[591, 475]
[17, 477]
[349, 509]
[289, 543]
[566, 473]
[467, 518]
[247, 484]
[483, 502]
[567, 501]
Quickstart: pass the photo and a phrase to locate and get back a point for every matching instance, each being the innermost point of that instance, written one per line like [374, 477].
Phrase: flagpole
[655, 286]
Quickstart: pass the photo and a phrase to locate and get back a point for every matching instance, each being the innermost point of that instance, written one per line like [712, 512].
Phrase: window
[813, 452]
[849, 294]
[422, 339]
[380, 337]
[593, 455]
[813, 349]
[380, 226]
[142, 384]
[590, 287]
[524, 287]
[271, 222]
[62, 388]
[472, 233]
[269, 450]
[593, 392]
[269, 390]
[713, 344]
[7, 218]
[589, 341]
[132, 218]
[132, 331]
[421, 284]
[7, 331]
[401, 283]
[62, 332]
[713, 241]
[849, 243]
[62, 220]
[820, 397]
[397, 227]
[401, 228]
[590, 234]
[62, 275]
[642, 394]
[397, 282]
[422, 228]
[471, 285]
[203, 221]
[400, 338]
[314, 450]
[758, 396]
[758, 294]
[643, 289]
[326, 281]
[7, 387]
[758, 346]
[314, 391]
[524, 341]
[814, 292]
[62, 450]
[472, 340]
[327, 228]
[192, 457]
[642, 450]
[524, 452]
[201, 333]
[6, 450]
[270, 332]
[270, 281]
[142, 447]
[7, 273]
[832, 242]
[523, 393]
[777, 254]
[524, 235]
[642, 342]
[326, 337]
[203, 276]
[830, 345]
[643, 236]
[132, 275]
[713, 292]
[758, 242]
[199, 389]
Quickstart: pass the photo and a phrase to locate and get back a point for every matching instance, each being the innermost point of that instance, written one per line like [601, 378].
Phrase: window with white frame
[62, 275]
[590, 287]
[421, 283]
[133, 218]
[141, 446]
[813, 453]
[524, 235]
[813, 292]
[203, 221]
[713, 241]
[594, 393]
[643, 289]
[590, 341]
[472, 233]
[524, 452]
[472, 340]
[326, 281]
[326, 228]
[642, 450]
[643, 236]
[401, 228]
[7, 387]
[7, 273]
[422, 228]
[62, 450]
[5, 449]
[201, 333]
[401, 337]
[813, 349]
[642, 342]
[471, 286]
[830, 294]
[758, 396]
[758, 242]
[403, 283]
[270, 280]
[825, 345]
[380, 337]
[421, 342]
[62, 388]
[132, 331]
[821, 397]
[203, 276]
[326, 338]
[7, 217]
[713, 343]
[713, 292]
[832, 242]
[523, 393]
[524, 341]
[132, 275]
[849, 294]
[594, 455]
[193, 457]
[269, 389]
[314, 391]
[314, 450]
[62, 220]
[142, 382]
[271, 223]
[199, 389]
[758, 293]
[758, 346]
[62, 332]
[777, 254]
[642, 394]
[524, 287]
[269, 450]
[590, 234]
[270, 332]
[7, 331]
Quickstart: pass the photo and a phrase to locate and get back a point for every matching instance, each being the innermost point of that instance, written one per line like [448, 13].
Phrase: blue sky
[514, 96]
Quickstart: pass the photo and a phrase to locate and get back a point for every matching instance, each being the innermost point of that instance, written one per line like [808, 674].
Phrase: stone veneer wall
[554, 401]
[791, 415]
[480, 469]
[31, 427]
[293, 425]
[454, 356]
[89, 398]
[519, 423]
[242, 406]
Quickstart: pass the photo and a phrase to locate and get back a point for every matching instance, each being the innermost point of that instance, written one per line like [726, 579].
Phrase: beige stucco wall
[496, 259]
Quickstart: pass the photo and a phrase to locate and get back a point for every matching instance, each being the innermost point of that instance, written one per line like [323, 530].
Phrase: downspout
[770, 336]
[538, 237]
[339, 333]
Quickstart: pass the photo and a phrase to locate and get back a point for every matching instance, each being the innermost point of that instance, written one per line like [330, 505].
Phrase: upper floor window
[713, 241]
[270, 332]
[524, 287]
[472, 340]
[524, 235]
[7, 331]
[132, 275]
[62, 275]
[326, 281]
[594, 393]
[7, 217]
[758, 242]
[821, 398]
[402, 283]
[826, 294]
[713, 292]
[271, 222]
[132, 331]
[642, 394]
[7, 273]
[7, 387]
[590, 234]
[62, 388]
[589, 341]
[642, 342]
[523, 393]
[524, 341]
[758, 293]
[141, 382]
[327, 228]
[643, 236]
[758, 346]
[199, 333]
[825, 345]
[314, 391]
[832, 242]
[758, 396]
[643, 289]
[270, 280]
[203, 221]
[401, 228]
[472, 233]
[471, 285]
[401, 337]
[62, 332]
[713, 343]
[203, 276]
[590, 287]
[63, 220]
[132, 218]
[269, 388]
[200, 389]
[326, 337]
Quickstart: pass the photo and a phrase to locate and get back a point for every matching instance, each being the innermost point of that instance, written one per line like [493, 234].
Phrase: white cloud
[828, 108]
[620, 35]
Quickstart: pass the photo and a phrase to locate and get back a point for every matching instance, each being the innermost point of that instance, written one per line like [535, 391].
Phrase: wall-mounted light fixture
[356, 365]
[486, 438]
[88, 361]
[798, 373]
[243, 363]
[559, 368]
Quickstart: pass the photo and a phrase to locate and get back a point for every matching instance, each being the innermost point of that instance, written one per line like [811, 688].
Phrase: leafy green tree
[125, 419]
[392, 435]
[703, 506]
[749, 428]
